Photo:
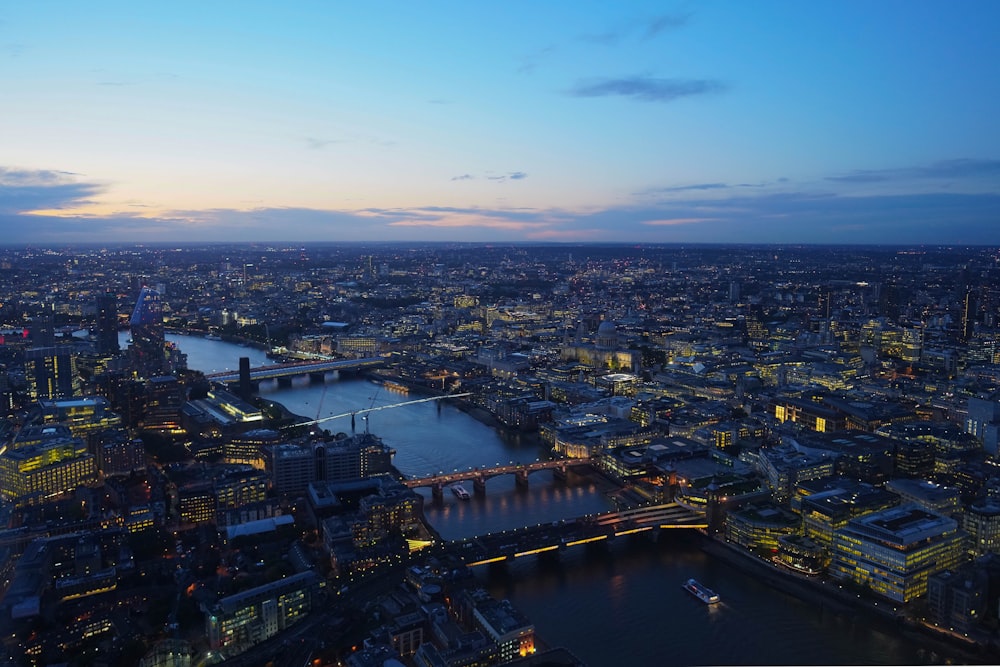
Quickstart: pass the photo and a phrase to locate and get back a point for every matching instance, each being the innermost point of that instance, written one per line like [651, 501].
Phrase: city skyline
[672, 122]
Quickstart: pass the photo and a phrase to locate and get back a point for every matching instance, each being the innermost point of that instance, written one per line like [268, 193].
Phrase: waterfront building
[238, 622]
[827, 505]
[147, 351]
[293, 466]
[33, 473]
[168, 653]
[894, 552]
[220, 413]
[981, 521]
[801, 554]
[930, 495]
[51, 372]
[957, 599]
[760, 527]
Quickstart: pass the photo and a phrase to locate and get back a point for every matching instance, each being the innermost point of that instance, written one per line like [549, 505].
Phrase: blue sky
[650, 122]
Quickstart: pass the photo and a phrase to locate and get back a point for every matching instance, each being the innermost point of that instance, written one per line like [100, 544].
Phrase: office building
[51, 372]
[31, 474]
[894, 552]
[240, 621]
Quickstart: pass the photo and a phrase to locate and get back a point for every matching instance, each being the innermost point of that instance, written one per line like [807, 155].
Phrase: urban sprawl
[826, 418]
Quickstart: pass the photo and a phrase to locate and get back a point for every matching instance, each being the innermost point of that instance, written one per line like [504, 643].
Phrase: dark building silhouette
[147, 348]
[107, 324]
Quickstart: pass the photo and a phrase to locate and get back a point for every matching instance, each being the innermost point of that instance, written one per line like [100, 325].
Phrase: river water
[610, 605]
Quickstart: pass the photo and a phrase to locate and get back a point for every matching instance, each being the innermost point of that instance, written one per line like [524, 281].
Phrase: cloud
[530, 62]
[318, 144]
[647, 89]
[509, 176]
[664, 23]
[686, 188]
[463, 177]
[517, 175]
[963, 168]
[677, 221]
[23, 190]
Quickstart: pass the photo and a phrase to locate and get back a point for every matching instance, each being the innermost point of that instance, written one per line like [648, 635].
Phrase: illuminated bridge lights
[632, 531]
[536, 551]
[586, 540]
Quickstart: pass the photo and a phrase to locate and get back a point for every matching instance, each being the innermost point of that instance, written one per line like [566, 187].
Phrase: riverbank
[829, 596]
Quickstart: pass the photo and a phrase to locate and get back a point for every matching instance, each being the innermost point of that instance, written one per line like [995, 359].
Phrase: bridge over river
[296, 368]
[543, 538]
[478, 476]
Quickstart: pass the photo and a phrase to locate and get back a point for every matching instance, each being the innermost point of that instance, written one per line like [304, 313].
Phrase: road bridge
[295, 368]
[478, 476]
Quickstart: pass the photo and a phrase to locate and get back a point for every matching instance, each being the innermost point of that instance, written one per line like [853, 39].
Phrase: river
[617, 604]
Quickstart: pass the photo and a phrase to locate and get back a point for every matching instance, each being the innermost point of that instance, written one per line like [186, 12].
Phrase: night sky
[847, 121]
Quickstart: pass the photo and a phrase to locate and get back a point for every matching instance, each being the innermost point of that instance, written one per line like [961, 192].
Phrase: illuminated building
[831, 503]
[927, 494]
[893, 552]
[51, 372]
[981, 521]
[117, 454]
[506, 627]
[811, 415]
[196, 503]
[147, 350]
[220, 413]
[604, 353]
[31, 474]
[248, 448]
[240, 621]
[784, 467]
[165, 397]
[85, 416]
[292, 467]
[759, 528]
[239, 489]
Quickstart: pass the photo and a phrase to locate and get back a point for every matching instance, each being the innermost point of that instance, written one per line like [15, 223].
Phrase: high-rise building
[107, 324]
[147, 348]
[51, 372]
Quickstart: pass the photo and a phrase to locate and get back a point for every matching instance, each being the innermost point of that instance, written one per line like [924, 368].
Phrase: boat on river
[460, 492]
[701, 591]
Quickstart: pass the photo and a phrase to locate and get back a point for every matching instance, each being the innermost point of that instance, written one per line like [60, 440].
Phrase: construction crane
[375, 409]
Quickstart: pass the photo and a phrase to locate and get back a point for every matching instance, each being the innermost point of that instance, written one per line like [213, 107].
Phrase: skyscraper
[147, 348]
[107, 324]
[51, 372]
